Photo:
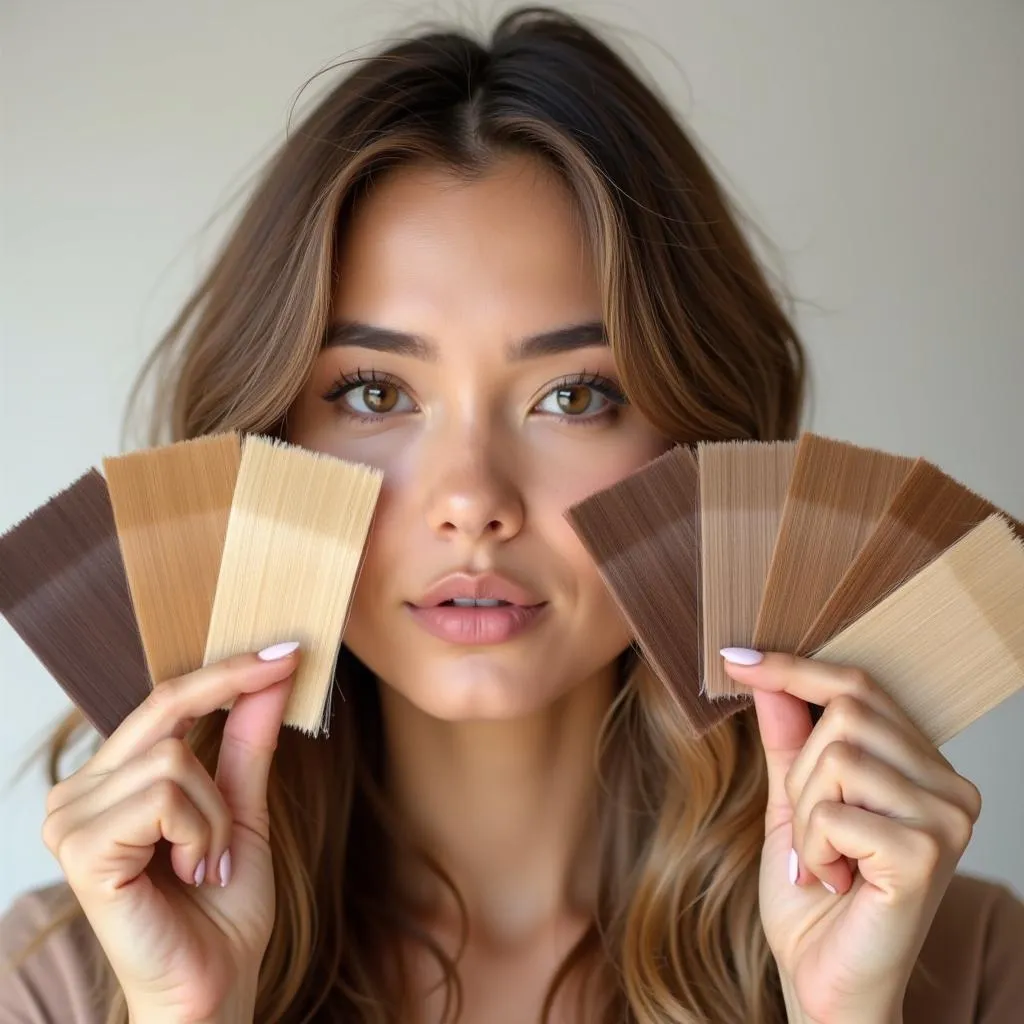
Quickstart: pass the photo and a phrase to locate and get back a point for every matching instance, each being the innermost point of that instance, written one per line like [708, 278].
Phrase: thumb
[247, 750]
[784, 722]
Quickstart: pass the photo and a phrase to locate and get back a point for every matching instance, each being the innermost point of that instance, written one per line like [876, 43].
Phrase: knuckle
[846, 714]
[53, 831]
[821, 816]
[972, 799]
[164, 700]
[858, 681]
[839, 756]
[171, 756]
[926, 852]
[164, 797]
[960, 828]
[56, 798]
[74, 850]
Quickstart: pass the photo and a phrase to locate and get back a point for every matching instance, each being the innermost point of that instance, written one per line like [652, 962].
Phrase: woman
[506, 277]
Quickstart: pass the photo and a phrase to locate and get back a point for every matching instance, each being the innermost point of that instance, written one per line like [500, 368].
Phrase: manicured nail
[224, 870]
[278, 651]
[741, 656]
[831, 888]
[200, 874]
[794, 867]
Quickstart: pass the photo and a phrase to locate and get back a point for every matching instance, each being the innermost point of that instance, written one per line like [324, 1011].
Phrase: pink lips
[480, 625]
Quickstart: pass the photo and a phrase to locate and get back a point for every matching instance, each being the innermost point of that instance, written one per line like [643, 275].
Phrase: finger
[846, 774]
[816, 682]
[897, 859]
[191, 696]
[170, 760]
[784, 723]
[112, 849]
[848, 720]
[247, 751]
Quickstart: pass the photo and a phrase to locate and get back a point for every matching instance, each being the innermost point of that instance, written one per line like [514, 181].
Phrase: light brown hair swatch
[294, 547]
[643, 534]
[948, 645]
[836, 498]
[171, 506]
[743, 486]
[63, 590]
[929, 513]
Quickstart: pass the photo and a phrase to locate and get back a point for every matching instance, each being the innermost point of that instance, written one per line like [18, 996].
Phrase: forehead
[425, 246]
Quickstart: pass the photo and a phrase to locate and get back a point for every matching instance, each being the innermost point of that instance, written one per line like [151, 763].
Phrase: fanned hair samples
[948, 645]
[643, 534]
[929, 513]
[171, 505]
[743, 489]
[63, 589]
[836, 497]
[294, 546]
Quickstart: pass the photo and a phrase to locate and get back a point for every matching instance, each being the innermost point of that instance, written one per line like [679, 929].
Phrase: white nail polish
[794, 867]
[831, 888]
[277, 651]
[200, 874]
[741, 656]
[224, 869]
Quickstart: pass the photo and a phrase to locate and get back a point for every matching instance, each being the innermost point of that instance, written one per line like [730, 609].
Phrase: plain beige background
[880, 144]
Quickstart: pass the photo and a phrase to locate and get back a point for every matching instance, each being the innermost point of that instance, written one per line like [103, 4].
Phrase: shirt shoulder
[56, 981]
[971, 968]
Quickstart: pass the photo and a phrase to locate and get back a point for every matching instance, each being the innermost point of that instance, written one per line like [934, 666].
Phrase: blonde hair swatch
[295, 541]
[948, 645]
[171, 505]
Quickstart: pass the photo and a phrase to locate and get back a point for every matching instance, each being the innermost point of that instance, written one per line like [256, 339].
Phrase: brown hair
[706, 352]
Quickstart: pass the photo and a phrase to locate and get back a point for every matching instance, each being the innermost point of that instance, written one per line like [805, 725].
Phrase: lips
[488, 587]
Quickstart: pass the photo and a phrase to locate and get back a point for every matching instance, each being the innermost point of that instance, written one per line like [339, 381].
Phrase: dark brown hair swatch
[643, 533]
[63, 589]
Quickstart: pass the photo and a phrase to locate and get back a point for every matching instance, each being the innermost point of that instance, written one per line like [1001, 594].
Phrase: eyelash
[604, 386]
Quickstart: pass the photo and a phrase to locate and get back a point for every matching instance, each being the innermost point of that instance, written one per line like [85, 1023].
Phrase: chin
[476, 686]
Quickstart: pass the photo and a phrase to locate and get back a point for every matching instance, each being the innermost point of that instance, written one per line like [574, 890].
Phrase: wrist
[795, 1013]
[234, 1010]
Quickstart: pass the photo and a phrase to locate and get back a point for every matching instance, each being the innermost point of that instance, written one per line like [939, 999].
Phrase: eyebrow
[382, 339]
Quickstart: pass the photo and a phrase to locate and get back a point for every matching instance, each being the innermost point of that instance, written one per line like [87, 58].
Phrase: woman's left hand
[865, 825]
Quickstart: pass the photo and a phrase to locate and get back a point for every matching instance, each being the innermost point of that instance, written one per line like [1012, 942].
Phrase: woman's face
[467, 362]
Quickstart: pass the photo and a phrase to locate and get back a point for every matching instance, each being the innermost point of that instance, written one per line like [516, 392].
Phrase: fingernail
[794, 867]
[277, 651]
[741, 656]
[224, 870]
[831, 888]
[200, 874]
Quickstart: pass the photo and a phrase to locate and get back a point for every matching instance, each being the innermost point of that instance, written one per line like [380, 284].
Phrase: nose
[473, 496]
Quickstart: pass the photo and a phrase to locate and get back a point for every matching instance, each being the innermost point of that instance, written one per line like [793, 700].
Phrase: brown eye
[380, 398]
[574, 400]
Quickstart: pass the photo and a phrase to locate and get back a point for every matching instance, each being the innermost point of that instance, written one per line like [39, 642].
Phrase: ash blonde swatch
[743, 488]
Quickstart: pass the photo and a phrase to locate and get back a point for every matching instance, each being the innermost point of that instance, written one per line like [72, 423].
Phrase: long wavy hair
[706, 351]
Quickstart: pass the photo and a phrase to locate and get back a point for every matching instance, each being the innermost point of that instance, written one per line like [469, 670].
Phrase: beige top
[973, 962]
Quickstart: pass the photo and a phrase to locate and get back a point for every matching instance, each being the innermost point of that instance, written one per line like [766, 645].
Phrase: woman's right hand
[185, 935]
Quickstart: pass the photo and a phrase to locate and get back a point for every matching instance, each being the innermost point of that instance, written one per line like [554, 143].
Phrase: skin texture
[491, 748]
